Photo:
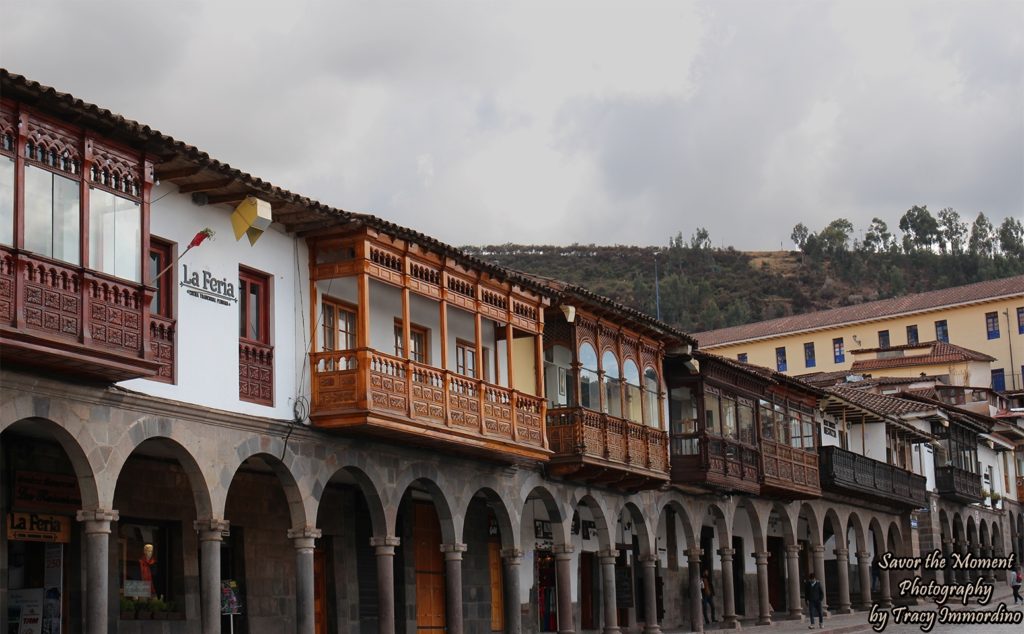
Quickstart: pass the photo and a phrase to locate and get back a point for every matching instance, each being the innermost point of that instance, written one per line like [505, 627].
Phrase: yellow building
[987, 317]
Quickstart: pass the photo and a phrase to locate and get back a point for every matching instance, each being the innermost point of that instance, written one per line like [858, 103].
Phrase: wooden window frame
[338, 305]
[810, 358]
[884, 341]
[992, 325]
[838, 350]
[414, 329]
[462, 347]
[247, 277]
[913, 341]
[165, 284]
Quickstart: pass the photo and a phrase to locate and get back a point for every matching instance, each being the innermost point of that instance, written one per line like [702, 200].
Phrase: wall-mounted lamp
[569, 312]
[251, 218]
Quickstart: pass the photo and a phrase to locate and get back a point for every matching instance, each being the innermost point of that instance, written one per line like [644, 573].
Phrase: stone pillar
[988, 573]
[304, 540]
[940, 575]
[864, 566]
[453, 585]
[511, 559]
[764, 606]
[649, 563]
[793, 581]
[843, 570]
[608, 599]
[728, 591]
[97, 568]
[384, 548]
[884, 589]
[563, 583]
[818, 554]
[211, 533]
[696, 605]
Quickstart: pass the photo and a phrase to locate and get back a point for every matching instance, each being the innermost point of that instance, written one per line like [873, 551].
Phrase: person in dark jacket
[815, 595]
[707, 593]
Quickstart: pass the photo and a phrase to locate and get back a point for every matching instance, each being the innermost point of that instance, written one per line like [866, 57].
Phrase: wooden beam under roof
[235, 197]
[205, 186]
[178, 172]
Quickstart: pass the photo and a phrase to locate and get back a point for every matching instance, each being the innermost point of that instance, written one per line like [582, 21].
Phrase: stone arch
[789, 524]
[645, 533]
[556, 512]
[296, 504]
[757, 528]
[502, 514]
[367, 486]
[972, 533]
[983, 535]
[722, 518]
[80, 456]
[997, 540]
[684, 516]
[855, 521]
[877, 535]
[814, 527]
[441, 505]
[894, 541]
[602, 519]
[197, 481]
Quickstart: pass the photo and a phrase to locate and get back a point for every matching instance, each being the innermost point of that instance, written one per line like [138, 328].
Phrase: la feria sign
[204, 285]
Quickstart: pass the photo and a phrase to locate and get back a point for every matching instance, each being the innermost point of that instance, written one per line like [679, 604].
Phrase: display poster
[25, 611]
[53, 575]
[230, 597]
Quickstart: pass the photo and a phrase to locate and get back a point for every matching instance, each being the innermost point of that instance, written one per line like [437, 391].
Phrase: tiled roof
[763, 372]
[937, 354]
[868, 311]
[978, 421]
[879, 403]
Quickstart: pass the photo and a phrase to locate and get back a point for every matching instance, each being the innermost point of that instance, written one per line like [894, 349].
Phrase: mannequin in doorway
[148, 567]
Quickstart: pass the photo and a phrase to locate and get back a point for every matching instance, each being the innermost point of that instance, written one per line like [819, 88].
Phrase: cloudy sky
[562, 122]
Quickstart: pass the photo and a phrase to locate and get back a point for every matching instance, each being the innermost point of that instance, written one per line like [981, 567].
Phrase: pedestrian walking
[1015, 581]
[707, 594]
[815, 595]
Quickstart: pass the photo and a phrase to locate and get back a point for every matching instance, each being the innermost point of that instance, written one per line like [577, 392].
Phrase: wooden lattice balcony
[714, 462]
[788, 472]
[845, 472]
[598, 448]
[957, 484]
[372, 393]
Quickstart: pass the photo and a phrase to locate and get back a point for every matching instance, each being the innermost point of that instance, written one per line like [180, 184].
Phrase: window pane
[156, 306]
[6, 201]
[711, 422]
[588, 358]
[243, 291]
[115, 235]
[746, 423]
[253, 325]
[329, 342]
[589, 386]
[51, 215]
[729, 418]
[65, 220]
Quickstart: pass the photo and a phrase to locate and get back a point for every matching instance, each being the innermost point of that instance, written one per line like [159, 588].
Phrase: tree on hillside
[878, 239]
[982, 238]
[920, 229]
[952, 231]
[835, 237]
[799, 235]
[1011, 238]
[701, 239]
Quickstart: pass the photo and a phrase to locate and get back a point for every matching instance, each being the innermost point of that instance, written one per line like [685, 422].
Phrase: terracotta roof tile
[879, 403]
[868, 311]
[937, 353]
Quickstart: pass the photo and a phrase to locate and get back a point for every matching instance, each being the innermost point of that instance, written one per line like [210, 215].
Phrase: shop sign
[46, 492]
[35, 527]
[204, 285]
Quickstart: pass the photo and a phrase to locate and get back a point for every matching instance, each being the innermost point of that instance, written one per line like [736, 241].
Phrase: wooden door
[586, 587]
[497, 586]
[320, 590]
[429, 566]
[777, 573]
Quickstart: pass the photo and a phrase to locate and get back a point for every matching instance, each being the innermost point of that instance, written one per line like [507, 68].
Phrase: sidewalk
[857, 621]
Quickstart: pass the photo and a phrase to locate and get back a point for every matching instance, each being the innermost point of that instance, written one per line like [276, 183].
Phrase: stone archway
[682, 573]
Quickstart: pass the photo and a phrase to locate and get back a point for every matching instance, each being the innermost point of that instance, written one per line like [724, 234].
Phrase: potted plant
[159, 608]
[174, 612]
[143, 611]
[127, 608]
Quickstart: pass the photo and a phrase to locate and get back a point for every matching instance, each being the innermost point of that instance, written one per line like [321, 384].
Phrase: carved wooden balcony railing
[255, 372]
[957, 484]
[788, 472]
[65, 318]
[365, 391]
[598, 448]
[845, 472]
[714, 462]
[162, 331]
[1020, 489]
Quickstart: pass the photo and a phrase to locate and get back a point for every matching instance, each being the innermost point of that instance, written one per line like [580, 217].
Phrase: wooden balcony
[957, 484]
[848, 473]
[599, 449]
[789, 472]
[716, 463]
[365, 392]
[1020, 489]
[68, 319]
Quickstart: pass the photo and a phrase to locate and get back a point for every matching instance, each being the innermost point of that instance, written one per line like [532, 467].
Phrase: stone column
[563, 583]
[793, 581]
[728, 591]
[843, 569]
[818, 553]
[988, 573]
[864, 566]
[97, 567]
[211, 533]
[696, 606]
[453, 585]
[384, 548]
[940, 575]
[511, 559]
[764, 606]
[304, 540]
[608, 598]
[884, 589]
[649, 563]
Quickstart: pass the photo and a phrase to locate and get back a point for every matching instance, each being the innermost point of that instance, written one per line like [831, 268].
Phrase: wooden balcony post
[538, 364]
[511, 380]
[443, 314]
[85, 323]
[19, 220]
[478, 344]
[363, 310]
[406, 325]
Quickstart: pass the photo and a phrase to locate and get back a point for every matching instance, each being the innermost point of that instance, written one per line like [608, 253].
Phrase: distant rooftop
[932, 353]
[868, 311]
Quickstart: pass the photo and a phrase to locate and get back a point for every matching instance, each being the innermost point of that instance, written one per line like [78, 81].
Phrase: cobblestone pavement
[858, 621]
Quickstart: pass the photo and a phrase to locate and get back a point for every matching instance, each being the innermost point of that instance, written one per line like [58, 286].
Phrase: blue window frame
[992, 325]
[998, 380]
[1020, 320]
[942, 331]
[780, 359]
[912, 335]
[883, 338]
[838, 351]
[742, 357]
[809, 355]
